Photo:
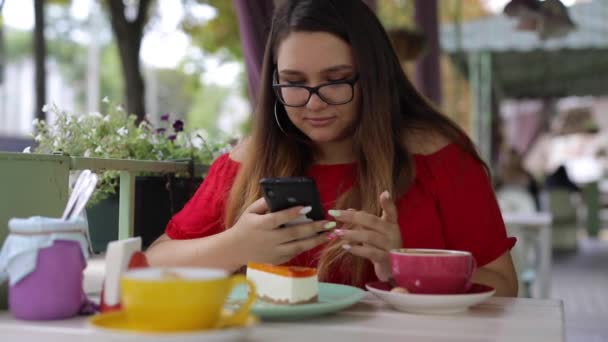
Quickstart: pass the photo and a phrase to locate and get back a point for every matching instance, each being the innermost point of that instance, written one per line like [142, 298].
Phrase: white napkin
[20, 252]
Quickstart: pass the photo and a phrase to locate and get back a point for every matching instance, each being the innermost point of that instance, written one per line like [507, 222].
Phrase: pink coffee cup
[432, 271]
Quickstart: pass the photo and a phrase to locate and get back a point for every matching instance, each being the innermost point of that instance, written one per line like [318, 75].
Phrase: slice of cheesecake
[284, 284]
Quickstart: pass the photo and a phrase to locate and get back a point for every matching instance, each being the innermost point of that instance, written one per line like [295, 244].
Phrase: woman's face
[312, 59]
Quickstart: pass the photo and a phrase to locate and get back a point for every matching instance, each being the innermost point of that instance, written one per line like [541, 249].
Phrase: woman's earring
[276, 117]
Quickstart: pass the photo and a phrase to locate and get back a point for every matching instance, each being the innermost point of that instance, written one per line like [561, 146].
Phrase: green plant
[116, 135]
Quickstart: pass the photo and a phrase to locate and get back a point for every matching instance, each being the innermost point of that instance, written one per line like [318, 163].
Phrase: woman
[392, 171]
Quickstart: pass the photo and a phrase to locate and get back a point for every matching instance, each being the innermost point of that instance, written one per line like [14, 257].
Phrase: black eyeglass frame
[315, 90]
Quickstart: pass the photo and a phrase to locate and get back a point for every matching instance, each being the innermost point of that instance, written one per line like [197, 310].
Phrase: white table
[540, 224]
[497, 319]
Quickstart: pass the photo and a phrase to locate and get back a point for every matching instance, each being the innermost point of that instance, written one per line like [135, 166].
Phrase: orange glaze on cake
[286, 271]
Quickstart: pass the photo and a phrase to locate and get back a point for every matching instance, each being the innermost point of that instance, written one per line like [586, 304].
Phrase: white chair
[515, 199]
[564, 205]
[526, 253]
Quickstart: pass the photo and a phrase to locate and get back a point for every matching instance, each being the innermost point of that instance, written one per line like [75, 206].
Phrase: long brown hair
[390, 108]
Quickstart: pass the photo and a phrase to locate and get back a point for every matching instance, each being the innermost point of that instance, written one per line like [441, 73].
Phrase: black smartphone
[286, 192]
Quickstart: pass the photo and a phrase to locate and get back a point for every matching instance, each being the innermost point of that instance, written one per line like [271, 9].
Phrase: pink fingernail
[305, 210]
[347, 247]
[332, 236]
[339, 232]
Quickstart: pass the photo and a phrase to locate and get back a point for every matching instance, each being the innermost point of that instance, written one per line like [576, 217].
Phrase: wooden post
[39, 57]
[428, 67]
[480, 80]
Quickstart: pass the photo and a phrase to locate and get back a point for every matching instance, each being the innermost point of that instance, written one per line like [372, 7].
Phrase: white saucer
[430, 303]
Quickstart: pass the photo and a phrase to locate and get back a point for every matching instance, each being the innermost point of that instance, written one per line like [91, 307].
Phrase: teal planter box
[103, 223]
[4, 296]
[157, 199]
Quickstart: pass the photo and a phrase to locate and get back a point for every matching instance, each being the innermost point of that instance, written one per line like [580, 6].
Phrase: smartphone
[286, 192]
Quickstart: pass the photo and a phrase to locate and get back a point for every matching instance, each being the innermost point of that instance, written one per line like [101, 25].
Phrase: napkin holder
[121, 255]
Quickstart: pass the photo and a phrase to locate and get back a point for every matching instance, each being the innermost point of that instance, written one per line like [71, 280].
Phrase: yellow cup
[181, 299]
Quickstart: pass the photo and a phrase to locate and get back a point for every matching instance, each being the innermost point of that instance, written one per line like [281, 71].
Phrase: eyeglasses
[333, 93]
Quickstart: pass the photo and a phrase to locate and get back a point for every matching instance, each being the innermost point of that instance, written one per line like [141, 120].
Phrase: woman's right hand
[258, 236]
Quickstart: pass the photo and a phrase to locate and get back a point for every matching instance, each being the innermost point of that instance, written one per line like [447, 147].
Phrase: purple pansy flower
[161, 130]
[178, 126]
[172, 137]
[165, 117]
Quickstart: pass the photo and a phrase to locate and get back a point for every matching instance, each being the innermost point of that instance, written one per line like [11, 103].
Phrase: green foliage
[205, 108]
[70, 56]
[215, 35]
[400, 13]
[18, 45]
[59, 2]
[180, 90]
[176, 91]
[110, 72]
[396, 13]
[116, 135]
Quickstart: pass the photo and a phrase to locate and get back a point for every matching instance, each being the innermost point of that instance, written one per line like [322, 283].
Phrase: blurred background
[527, 79]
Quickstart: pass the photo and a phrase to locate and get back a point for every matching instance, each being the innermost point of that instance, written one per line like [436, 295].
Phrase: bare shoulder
[425, 141]
[239, 152]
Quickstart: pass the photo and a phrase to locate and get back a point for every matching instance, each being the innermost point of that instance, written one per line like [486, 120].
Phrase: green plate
[332, 298]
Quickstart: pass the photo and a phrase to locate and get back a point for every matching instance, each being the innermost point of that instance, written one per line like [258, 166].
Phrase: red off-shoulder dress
[450, 205]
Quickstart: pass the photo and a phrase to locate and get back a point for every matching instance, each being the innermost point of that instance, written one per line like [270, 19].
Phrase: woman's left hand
[371, 237]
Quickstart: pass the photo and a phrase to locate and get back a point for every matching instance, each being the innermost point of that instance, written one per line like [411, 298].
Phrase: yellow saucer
[115, 327]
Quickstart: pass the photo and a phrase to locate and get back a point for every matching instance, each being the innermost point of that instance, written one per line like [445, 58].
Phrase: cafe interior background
[526, 79]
